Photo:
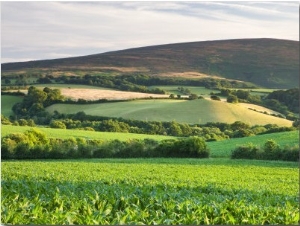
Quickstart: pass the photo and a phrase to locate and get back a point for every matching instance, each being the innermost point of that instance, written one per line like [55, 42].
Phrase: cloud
[45, 30]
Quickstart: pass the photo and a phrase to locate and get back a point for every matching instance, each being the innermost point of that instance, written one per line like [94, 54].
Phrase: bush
[291, 153]
[192, 147]
[57, 124]
[248, 151]
[271, 151]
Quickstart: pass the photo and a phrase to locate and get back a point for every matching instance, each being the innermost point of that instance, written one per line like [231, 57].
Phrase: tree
[232, 99]
[214, 97]
[193, 96]
[57, 124]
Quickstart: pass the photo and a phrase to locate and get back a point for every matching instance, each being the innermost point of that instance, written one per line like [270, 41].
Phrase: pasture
[93, 135]
[7, 102]
[183, 111]
[150, 191]
[221, 149]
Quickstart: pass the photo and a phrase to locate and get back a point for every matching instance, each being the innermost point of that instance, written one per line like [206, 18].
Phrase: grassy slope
[196, 111]
[7, 102]
[224, 148]
[218, 148]
[266, 62]
[65, 134]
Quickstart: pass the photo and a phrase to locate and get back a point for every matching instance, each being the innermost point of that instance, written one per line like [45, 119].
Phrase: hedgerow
[270, 151]
[34, 144]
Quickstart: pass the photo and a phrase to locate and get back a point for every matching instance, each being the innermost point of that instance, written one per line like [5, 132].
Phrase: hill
[269, 63]
[183, 111]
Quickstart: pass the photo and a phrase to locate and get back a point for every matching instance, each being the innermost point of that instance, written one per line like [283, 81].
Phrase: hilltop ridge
[272, 63]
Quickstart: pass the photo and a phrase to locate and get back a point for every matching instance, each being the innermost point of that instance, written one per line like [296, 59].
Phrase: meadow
[149, 191]
[93, 135]
[184, 111]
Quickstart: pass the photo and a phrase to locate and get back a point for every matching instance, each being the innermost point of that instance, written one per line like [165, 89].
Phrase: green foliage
[215, 97]
[150, 191]
[35, 144]
[270, 151]
[248, 151]
[57, 124]
[232, 99]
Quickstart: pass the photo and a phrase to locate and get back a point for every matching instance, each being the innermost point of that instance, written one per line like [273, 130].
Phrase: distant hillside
[183, 111]
[266, 62]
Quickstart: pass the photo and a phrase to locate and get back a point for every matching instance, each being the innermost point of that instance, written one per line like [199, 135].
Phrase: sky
[50, 30]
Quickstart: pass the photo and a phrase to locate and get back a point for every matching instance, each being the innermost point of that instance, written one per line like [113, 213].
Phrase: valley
[187, 133]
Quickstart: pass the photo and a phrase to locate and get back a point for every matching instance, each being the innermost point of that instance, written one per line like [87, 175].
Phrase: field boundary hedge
[33, 144]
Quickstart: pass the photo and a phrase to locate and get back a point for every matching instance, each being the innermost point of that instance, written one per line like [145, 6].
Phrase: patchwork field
[196, 111]
[150, 191]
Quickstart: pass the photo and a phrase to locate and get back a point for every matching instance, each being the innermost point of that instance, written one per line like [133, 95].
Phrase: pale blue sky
[48, 30]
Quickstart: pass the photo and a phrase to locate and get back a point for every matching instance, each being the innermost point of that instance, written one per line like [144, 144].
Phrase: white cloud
[44, 30]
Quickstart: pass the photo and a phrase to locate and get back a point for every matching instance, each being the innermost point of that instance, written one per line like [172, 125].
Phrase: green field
[150, 191]
[7, 102]
[183, 111]
[225, 147]
[65, 134]
[218, 148]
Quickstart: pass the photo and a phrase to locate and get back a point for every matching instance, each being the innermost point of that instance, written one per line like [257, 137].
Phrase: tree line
[270, 151]
[34, 144]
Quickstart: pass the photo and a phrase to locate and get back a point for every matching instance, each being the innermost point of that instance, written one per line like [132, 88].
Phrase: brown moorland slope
[270, 63]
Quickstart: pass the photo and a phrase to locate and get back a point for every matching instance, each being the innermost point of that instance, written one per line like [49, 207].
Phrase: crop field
[150, 191]
[93, 135]
[183, 111]
[7, 102]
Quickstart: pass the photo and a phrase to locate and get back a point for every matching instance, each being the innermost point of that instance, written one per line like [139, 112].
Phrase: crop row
[149, 192]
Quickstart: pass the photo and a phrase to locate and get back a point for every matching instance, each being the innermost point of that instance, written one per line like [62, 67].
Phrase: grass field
[217, 148]
[225, 147]
[184, 111]
[150, 191]
[65, 134]
[7, 102]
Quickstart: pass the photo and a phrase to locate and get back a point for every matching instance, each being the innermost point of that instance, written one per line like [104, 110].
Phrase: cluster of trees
[33, 144]
[36, 100]
[284, 101]
[270, 151]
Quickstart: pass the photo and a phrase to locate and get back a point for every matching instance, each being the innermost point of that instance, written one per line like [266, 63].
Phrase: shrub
[271, 151]
[57, 124]
[214, 97]
[232, 99]
[290, 153]
[248, 151]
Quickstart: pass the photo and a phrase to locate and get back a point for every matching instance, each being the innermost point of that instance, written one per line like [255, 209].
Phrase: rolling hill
[268, 63]
[184, 111]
